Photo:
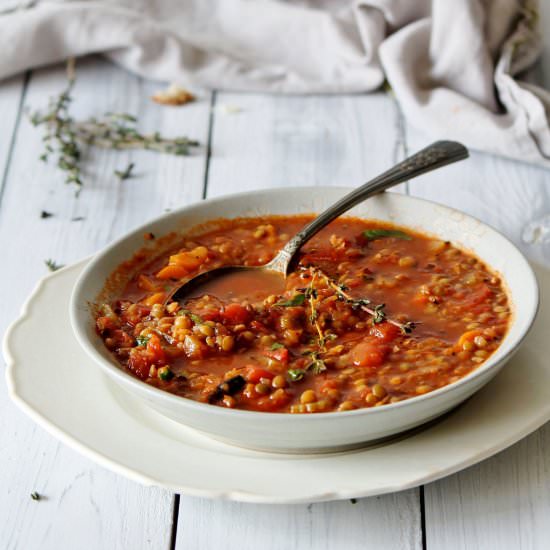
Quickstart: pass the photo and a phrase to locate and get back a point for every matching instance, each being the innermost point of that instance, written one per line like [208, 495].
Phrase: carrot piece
[156, 298]
[172, 272]
[467, 336]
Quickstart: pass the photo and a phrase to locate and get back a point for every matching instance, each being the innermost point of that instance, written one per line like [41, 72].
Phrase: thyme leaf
[295, 375]
[64, 136]
[296, 300]
[52, 266]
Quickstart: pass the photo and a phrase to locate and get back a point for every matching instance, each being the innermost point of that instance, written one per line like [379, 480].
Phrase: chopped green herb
[142, 340]
[35, 495]
[44, 214]
[296, 300]
[195, 318]
[296, 375]
[52, 266]
[373, 234]
[276, 345]
[164, 373]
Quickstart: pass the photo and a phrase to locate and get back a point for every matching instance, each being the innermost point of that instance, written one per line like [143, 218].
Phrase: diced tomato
[210, 314]
[280, 354]
[106, 323]
[154, 349]
[369, 353]
[139, 363]
[235, 314]
[385, 332]
[254, 374]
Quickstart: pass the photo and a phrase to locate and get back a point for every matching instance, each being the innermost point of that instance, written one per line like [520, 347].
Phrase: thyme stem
[64, 136]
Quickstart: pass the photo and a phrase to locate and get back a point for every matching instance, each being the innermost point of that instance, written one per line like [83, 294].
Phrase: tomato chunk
[369, 353]
[385, 332]
[254, 374]
[235, 314]
[280, 354]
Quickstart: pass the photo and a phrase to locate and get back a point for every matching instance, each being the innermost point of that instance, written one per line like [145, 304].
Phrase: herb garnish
[296, 375]
[377, 312]
[164, 373]
[52, 266]
[142, 340]
[64, 136]
[296, 300]
[317, 365]
[276, 346]
[35, 495]
[193, 316]
[44, 214]
[373, 234]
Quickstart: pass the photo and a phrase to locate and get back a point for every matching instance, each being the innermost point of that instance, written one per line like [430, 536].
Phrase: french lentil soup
[371, 314]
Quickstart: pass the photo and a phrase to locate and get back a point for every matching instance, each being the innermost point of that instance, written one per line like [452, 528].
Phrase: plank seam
[11, 146]
[175, 520]
[213, 99]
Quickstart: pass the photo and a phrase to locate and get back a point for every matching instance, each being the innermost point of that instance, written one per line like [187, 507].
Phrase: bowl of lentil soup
[392, 316]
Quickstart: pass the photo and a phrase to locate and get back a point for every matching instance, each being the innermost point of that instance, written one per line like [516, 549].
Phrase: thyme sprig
[64, 136]
[377, 312]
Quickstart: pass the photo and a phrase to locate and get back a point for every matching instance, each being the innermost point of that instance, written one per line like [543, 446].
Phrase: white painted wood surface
[85, 506]
[273, 141]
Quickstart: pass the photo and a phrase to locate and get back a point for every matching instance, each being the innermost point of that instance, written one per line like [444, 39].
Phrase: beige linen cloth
[453, 65]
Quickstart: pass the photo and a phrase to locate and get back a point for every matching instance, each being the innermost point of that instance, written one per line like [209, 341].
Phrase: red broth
[372, 314]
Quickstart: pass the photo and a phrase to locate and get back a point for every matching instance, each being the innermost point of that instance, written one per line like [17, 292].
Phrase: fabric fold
[454, 67]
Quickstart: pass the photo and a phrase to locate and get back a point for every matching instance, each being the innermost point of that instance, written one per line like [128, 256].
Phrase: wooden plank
[11, 96]
[501, 503]
[305, 140]
[389, 522]
[84, 504]
[504, 501]
[280, 142]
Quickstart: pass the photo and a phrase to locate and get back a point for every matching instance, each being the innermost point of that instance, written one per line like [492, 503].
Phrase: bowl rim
[141, 387]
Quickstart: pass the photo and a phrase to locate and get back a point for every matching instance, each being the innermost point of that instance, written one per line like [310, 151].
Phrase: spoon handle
[434, 156]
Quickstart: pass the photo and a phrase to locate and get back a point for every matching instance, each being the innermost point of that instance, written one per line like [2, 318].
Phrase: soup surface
[371, 314]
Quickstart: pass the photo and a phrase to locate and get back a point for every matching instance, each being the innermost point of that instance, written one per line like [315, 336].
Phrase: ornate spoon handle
[434, 156]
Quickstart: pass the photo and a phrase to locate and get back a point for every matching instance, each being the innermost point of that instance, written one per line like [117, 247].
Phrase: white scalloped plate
[57, 385]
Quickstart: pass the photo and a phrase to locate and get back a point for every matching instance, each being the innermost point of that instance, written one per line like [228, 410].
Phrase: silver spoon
[436, 155]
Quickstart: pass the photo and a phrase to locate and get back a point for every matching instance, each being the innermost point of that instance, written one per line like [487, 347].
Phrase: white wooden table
[504, 502]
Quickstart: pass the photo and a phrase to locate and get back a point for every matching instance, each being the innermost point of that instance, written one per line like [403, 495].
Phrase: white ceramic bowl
[323, 431]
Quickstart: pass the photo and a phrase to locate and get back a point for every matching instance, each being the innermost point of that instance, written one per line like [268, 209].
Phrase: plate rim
[117, 466]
